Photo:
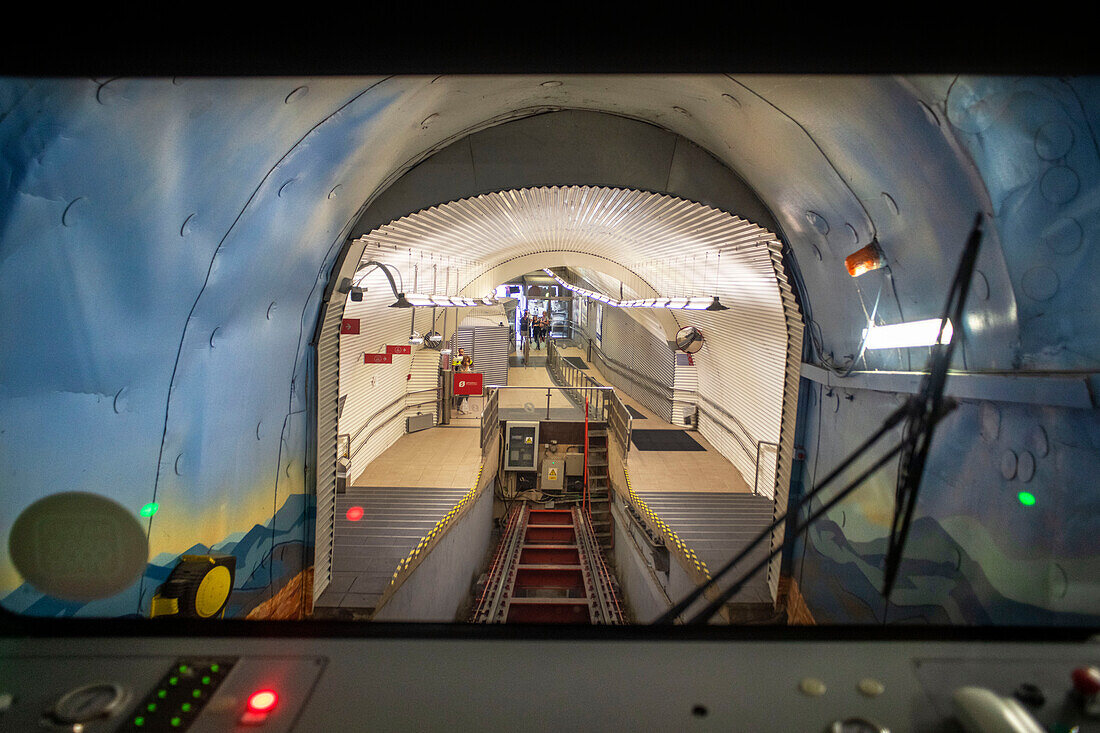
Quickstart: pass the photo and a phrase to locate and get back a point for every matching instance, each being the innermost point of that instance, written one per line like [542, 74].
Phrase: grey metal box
[419, 422]
[553, 474]
[521, 443]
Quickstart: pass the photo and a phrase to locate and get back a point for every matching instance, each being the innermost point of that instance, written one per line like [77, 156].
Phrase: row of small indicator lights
[690, 553]
[260, 702]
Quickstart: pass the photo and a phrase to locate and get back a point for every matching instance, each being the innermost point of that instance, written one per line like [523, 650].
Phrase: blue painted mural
[978, 553]
[165, 243]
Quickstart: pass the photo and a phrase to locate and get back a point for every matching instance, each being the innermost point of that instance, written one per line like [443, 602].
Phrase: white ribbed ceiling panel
[648, 245]
[667, 245]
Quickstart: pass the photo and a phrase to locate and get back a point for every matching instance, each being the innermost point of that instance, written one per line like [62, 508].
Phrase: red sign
[468, 383]
[377, 358]
[349, 325]
[406, 349]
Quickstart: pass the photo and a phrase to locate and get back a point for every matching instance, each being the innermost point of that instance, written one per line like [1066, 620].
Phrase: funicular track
[548, 569]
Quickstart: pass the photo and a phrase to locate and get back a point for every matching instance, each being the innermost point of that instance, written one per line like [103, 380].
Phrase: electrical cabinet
[521, 440]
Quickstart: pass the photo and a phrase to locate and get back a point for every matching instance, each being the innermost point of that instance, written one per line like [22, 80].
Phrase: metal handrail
[612, 410]
[741, 443]
[621, 422]
[386, 422]
[645, 382]
[489, 418]
[539, 386]
[562, 371]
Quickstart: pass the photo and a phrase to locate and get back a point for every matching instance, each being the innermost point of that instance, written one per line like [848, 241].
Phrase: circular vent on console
[689, 339]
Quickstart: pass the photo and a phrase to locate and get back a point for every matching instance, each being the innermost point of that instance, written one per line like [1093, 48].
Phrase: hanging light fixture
[696, 304]
[417, 300]
[716, 306]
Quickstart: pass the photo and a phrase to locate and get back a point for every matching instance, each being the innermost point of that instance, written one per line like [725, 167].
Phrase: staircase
[376, 528]
[599, 484]
[717, 526]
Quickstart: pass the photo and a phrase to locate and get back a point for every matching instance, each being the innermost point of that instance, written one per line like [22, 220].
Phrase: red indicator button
[262, 701]
[1087, 681]
[355, 513]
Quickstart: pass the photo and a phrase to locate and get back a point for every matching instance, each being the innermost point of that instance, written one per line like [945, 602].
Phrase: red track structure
[548, 569]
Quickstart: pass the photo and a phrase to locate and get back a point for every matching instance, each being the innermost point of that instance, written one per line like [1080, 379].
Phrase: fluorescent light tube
[906, 335]
[417, 299]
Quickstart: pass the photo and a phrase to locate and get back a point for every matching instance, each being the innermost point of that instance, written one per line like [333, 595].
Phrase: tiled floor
[449, 456]
[440, 457]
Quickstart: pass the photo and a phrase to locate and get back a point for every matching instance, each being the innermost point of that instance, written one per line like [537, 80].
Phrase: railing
[371, 433]
[741, 435]
[570, 376]
[764, 454]
[620, 422]
[490, 420]
[662, 392]
[608, 407]
[583, 393]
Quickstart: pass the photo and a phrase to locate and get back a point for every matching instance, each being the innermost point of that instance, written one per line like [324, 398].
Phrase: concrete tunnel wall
[164, 245]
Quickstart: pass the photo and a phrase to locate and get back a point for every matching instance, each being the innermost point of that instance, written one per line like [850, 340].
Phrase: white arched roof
[650, 244]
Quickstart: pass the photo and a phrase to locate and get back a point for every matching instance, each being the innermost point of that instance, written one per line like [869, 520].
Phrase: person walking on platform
[524, 326]
[463, 362]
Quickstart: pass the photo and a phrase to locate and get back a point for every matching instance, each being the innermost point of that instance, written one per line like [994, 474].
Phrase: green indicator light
[176, 722]
[151, 707]
[173, 680]
[214, 668]
[183, 669]
[149, 509]
[196, 693]
[162, 693]
[186, 707]
[139, 722]
[206, 680]
[1026, 498]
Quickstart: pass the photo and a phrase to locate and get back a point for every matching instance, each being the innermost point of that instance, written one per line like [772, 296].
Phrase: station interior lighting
[415, 300]
[411, 300]
[905, 335]
[691, 304]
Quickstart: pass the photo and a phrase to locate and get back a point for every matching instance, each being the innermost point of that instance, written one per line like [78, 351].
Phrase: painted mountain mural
[268, 557]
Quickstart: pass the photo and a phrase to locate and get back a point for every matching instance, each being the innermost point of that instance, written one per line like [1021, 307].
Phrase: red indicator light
[355, 513]
[262, 701]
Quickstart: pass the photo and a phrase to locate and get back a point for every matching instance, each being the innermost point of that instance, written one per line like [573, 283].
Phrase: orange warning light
[864, 260]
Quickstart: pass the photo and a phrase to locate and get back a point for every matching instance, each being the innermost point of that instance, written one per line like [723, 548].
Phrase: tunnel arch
[642, 242]
[906, 159]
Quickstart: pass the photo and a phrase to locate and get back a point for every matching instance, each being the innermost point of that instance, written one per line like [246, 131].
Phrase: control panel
[522, 441]
[200, 694]
[320, 682]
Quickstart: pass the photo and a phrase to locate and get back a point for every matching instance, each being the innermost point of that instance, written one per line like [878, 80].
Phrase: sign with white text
[468, 383]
